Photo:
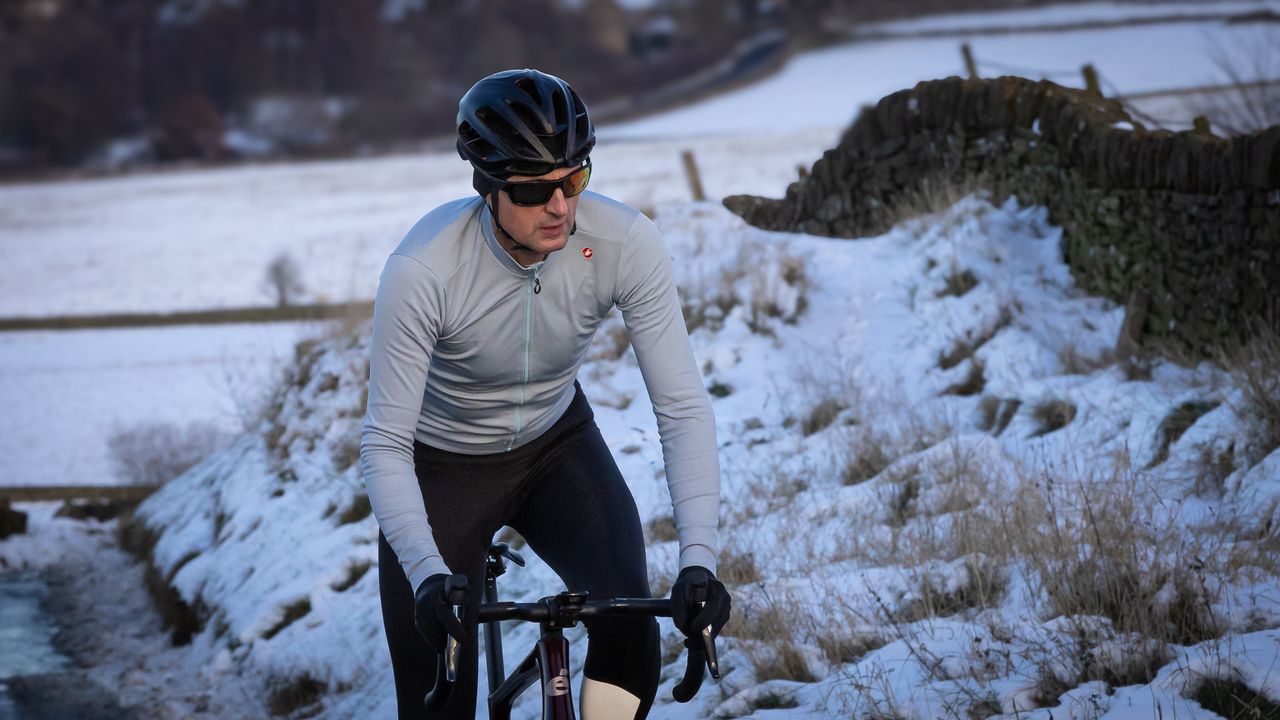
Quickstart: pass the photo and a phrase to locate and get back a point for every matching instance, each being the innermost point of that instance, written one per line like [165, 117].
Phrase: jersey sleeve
[406, 323]
[646, 295]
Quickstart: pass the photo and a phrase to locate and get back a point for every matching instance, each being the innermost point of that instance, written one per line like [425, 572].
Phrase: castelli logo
[587, 253]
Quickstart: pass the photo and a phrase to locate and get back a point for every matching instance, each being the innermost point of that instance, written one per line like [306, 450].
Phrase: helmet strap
[498, 224]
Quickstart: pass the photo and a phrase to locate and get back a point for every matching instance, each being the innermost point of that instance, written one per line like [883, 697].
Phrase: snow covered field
[912, 472]
[75, 388]
[897, 542]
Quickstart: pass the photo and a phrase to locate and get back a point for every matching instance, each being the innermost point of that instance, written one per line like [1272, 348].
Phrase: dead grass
[1212, 468]
[355, 571]
[1178, 422]
[995, 413]
[1051, 415]
[958, 283]
[661, 529]
[983, 587]
[1233, 700]
[346, 452]
[772, 630]
[964, 348]
[358, 510]
[289, 696]
[869, 454]
[1074, 362]
[293, 612]
[1255, 371]
[734, 568]
[934, 195]
[822, 415]
[1098, 549]
[973, 383]
[768, 280]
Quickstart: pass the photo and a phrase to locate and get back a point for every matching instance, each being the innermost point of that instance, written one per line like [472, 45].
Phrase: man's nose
[558, 204]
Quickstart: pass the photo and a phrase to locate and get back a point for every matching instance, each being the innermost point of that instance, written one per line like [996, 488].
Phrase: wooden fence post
[970, 65]
[1091, 84]
[691, 172]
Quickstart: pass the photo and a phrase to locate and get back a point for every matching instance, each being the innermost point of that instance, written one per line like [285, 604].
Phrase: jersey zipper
[532, 288]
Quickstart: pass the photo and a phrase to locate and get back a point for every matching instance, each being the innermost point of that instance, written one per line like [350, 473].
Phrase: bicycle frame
[548, 661]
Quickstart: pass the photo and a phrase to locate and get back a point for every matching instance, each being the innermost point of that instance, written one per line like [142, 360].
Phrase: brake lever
[708, 641]
[513, 556]
[713, 659]
[455, 591]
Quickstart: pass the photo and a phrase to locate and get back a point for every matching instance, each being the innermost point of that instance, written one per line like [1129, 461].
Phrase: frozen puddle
[26, 635]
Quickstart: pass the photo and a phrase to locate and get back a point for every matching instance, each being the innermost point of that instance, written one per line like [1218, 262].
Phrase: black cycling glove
[432, 613]
[697, 583]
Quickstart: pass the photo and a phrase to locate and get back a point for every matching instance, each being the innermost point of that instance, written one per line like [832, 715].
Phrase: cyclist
[475, 419]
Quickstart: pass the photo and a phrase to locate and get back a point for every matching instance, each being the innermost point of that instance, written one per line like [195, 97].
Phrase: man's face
[541, 228]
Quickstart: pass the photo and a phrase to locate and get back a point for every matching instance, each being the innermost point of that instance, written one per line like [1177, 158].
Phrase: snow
[877, 316]
[911, 542]
[1066, 14]
[76, 388]
[827, 87]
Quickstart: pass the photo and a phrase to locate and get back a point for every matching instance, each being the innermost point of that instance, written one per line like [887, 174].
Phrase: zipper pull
[537, 284]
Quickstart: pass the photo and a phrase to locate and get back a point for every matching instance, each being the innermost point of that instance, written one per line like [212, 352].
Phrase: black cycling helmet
[523, 122]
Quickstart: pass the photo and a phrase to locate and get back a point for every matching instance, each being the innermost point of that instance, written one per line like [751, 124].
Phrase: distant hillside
[145, 80]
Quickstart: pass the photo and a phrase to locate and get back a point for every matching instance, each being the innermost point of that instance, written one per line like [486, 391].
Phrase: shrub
[283, 280]
[153, 453]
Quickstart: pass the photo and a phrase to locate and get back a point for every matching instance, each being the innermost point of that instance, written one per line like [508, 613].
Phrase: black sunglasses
[539, 192]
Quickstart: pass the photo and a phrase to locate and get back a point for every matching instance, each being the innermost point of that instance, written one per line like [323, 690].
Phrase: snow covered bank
[942, 494]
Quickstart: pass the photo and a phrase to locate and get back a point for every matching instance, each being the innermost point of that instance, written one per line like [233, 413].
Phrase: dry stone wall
[1189, 222]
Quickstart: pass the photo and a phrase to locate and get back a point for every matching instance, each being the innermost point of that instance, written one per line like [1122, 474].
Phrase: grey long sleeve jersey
[474, 353]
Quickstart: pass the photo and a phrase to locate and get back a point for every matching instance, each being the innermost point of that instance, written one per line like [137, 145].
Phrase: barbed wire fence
[980, 67]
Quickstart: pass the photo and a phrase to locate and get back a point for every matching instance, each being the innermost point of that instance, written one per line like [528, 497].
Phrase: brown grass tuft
[1178, 422]
[1052, 415]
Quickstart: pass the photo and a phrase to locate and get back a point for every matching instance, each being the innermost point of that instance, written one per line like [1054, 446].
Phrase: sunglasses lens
[577, 182]
[532, 193]
[539, 193]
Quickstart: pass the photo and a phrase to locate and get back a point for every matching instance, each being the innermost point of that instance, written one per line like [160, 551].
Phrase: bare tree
[284, 279]
[1253, 68]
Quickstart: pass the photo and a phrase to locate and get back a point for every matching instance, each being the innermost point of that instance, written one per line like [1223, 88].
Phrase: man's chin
[544, 244]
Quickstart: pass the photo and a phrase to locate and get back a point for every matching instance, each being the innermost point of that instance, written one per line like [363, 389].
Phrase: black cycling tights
[564, 494]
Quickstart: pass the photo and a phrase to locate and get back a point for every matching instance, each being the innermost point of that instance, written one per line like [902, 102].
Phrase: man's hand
[432, 613]
[699, 600]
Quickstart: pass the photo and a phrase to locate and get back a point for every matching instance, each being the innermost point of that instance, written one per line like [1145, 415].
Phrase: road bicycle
[548, 661]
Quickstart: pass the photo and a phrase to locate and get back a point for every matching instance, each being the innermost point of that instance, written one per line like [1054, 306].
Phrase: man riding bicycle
[475, 419]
